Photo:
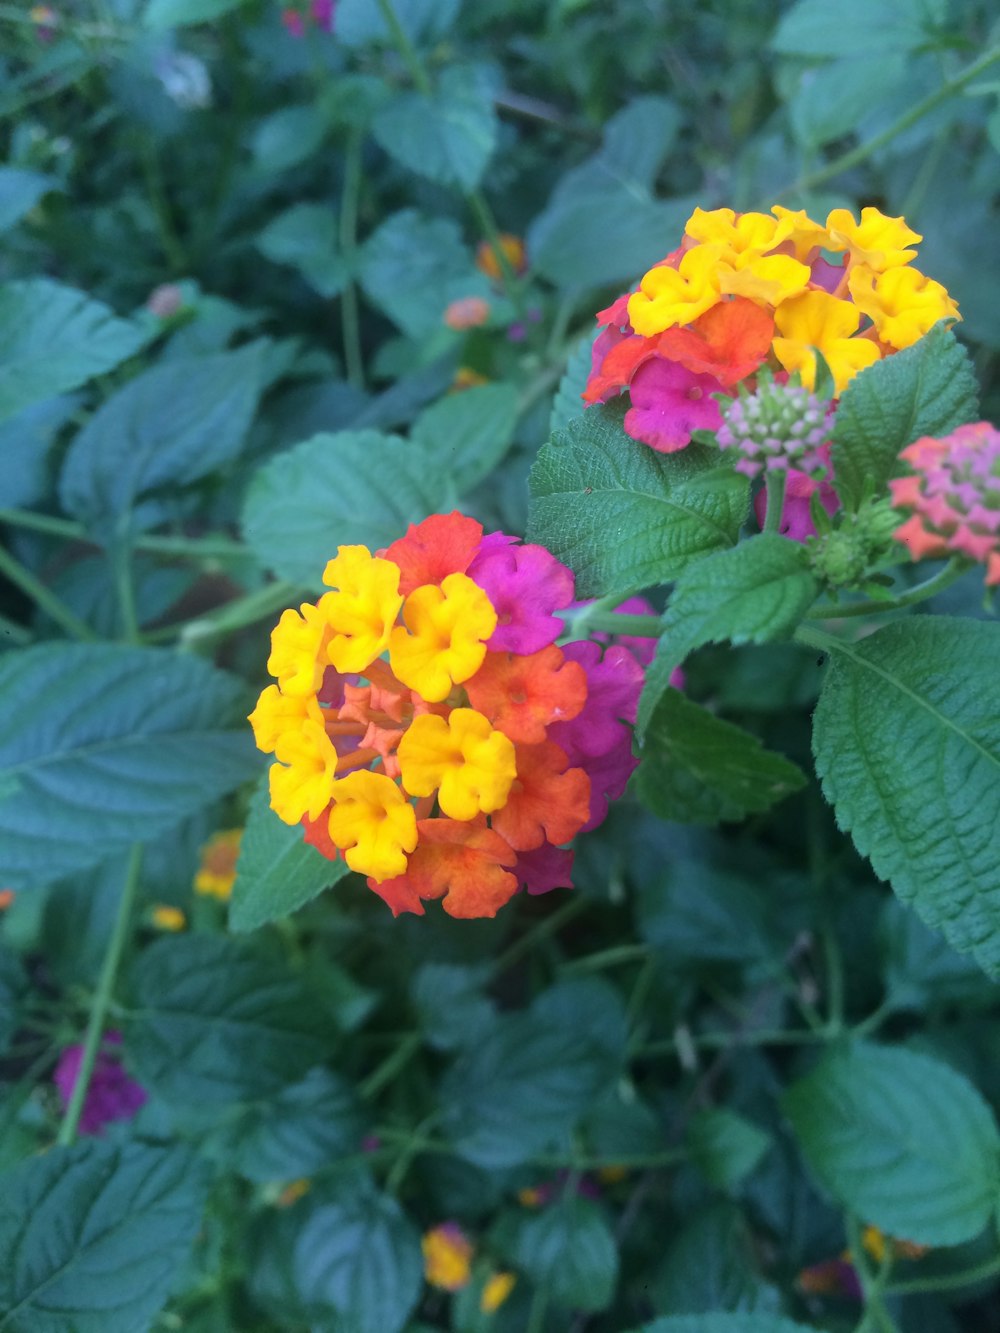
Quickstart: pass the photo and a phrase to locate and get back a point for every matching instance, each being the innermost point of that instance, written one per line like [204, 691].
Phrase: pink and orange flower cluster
[746, 290]
[427, 728]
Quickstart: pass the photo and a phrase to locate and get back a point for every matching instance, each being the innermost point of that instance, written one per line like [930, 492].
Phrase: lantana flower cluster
[427, 728]
[748, 290]
[952, 496]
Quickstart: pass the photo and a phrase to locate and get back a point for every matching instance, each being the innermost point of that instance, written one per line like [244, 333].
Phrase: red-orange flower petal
[318, 835]
[618, 367]
[462, 862]
[441, 545]
[730, 341]
[522, 694]
[548, 800]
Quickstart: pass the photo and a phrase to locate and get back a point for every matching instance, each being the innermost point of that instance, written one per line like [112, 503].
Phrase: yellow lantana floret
[363, 607]
[166, 917]
[903, 303]
[495, 1291]
[444, 641]
[447, 1257]
[736, 233]
[373, 824]
[816, 321]
[797, 228]
[670, 296]
[216, 874]
[303, 778]
[297, 643]
[462, 758]
[876, 240]
[766, 279]
[278, 713]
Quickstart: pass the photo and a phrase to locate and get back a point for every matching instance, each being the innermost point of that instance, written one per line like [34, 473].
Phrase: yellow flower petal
[495, 1291]
[363, 608]
[797, 228]
[766, 279]
[297, 642]
[302, 780]
[902, 303]
[878, 241]
[815, 321]
[444, 641]
[669, 296]
[470, 765]
[373, 824]
[278, 713]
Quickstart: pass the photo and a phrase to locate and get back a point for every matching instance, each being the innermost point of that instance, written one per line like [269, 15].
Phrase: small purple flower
[112, 1095]
[526, 586]
[545, 868]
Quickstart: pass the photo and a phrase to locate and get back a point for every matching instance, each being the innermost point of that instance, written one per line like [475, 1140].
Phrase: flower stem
[855, 156]
[406, 49]
[944, 578]
[245, 610]
[43, 597]
[102, 998]
[394, 1062]
[775, 485]
[968, 1277]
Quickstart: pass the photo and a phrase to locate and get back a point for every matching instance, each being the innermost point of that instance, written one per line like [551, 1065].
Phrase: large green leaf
[360, 23]
[447, 135]
[216, 1022]
[907, 742]
[277, 871]
[697, 768]
[332, 490]
[305, 238]
[164, 14]
[103, 745]
[303, 1129]
[522, 1086]
[756, 592]
[568, 1249]
[928, 389]
[357, 1264]
[25, 440]
[624, 517]
[856, 27]
[13, 985]
[568, 402]
[93, 1236]
[725, 1146]
[468, 433]
[168, 427]
[413, 267]
[710, 1265]
[901, 1139]
[53, 338]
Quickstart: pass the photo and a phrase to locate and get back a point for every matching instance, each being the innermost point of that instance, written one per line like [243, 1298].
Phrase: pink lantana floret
[526, 586]
[669, 403]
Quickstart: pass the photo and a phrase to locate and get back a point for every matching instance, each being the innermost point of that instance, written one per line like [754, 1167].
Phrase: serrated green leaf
[907, 745]
[93, 1236]
[624, 517]
[725, 1146]
[724, 1323]
[927, 389]
[521, 1088]
[168, 427]
[305, 237]
[831, 100]
[568, 1249]
[215, 1022]
[105, 745]
[25, 440]
[296, 1133]
[710, 1265]
[699, 769]
[755, 593]
[695, 911]
[412, 267]
[922, 971]
[469, 432]
[287, 137]
[358, 1260]
[900, 1139]
[451, 1005]
[20, 191]
[568, 402]
[447, 135]
[277, 871]
[53, 338]
[332, 490]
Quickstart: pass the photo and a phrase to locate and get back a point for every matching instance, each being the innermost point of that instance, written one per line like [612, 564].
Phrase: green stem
[547, 1162]
[170, 242]
[395, 1061]
[121, 560]
[855, 156]
[969, 1277]
[217, 547]
[538, 1311]
[409, 1150]
[246, 610]
[874, 1020]
[775, 486]
[723, 1040]
[102, 998]
[944, 578]
[872, 1284]
[622, 953]
[43, 597]
[834, 968]
[14, 633]
[547, 926]
[609, 622]
[350, 323]
[406, 48]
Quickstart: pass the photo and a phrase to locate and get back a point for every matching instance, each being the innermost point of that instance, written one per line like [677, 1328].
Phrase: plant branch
[944, 578]
[43, 597]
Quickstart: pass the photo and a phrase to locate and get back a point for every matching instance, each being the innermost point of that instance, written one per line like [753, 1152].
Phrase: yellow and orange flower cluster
[748, 289]
[427, 728]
